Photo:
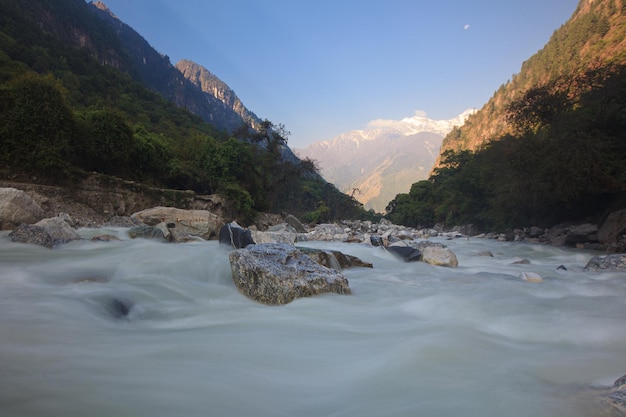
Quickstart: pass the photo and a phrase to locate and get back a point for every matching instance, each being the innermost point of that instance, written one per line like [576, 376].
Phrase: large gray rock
[615, 262]
[182, 223]
[294, 222]
[277, 274]
[430, 252]
[17, 207]
[46, 232]
[613, 227]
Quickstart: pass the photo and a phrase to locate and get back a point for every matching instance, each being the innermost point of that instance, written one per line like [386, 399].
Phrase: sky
[325, 67]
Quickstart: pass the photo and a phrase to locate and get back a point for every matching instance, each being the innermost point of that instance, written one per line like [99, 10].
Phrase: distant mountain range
[376, 164]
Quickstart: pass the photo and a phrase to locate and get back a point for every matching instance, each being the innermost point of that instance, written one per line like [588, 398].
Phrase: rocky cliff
[187, 85]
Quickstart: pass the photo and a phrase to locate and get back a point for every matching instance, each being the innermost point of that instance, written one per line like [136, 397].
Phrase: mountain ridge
[218, 105]
[595, 35]
[376, 163]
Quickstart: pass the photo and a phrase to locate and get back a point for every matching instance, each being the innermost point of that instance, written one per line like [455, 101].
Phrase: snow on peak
[419, 122]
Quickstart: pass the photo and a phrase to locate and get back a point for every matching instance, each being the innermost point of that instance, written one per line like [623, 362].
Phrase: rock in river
[277, 274]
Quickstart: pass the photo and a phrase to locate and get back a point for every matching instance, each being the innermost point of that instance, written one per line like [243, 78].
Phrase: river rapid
[412, 340]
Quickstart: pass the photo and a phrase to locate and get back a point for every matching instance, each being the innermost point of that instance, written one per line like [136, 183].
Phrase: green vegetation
[63, 113]
[564, 161]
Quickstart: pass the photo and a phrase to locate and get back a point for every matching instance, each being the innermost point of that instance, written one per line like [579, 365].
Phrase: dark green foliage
[36, 125]
[565, 162]
[106, 143]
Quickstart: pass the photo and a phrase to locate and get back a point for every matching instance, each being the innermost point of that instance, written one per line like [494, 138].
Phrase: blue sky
[326, 67]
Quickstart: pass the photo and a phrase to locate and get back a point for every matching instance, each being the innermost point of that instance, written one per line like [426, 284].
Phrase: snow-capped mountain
[379, 162]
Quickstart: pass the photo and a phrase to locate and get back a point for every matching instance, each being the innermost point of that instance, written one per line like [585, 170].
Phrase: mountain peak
[101, 6]
[419, 122]
[377, 163]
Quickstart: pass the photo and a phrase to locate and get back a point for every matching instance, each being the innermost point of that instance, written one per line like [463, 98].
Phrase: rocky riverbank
[97, 200]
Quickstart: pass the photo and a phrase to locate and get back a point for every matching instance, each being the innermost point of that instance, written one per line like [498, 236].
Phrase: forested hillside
[66, 110]
[549, 147]
[594, 36]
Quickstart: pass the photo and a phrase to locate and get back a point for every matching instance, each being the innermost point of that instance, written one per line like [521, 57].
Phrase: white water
[412, 340]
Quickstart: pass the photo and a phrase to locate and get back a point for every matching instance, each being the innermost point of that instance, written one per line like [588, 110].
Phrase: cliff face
[195, 89]
[213, 87]
[593, 37]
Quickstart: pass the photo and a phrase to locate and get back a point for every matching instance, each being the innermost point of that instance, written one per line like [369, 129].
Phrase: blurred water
[413, 339]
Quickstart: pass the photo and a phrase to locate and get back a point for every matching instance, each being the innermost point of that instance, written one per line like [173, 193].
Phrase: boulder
[294, 222]
[613, 227]
[405, 252]
[47, 232]
[235, 236]
[158, 232]
[277, 274]
[274, 237]
[437, 254]
[615, 262]
[182, 223]
[581, 234]
[335, 259]
[425, 251]
[17, 207]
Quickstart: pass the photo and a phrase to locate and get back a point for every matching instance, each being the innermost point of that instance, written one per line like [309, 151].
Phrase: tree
[37, 125]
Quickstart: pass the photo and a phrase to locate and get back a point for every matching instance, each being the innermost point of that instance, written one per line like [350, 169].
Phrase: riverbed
[144, 328]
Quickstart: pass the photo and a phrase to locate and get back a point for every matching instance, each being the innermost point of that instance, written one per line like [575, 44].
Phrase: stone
[530, 277]
[274, 237]
[334, 259]
[47, 232]
[294, 222]
[616, 262]
[276, 274]
[182, 223]
[486, 253]
[377, 241]
[150, 232]
[521, 262]
[581, 234]
[405, 252]
[535, 231]
[235, 236]
[17, 207]
[122, 221]
[617, 395]
[437, 254]
[613, 227]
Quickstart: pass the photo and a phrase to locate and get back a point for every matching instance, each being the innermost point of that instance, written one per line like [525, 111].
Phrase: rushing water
[412, 340]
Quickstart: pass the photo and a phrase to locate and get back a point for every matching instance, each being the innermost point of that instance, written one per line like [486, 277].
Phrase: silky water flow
[142, 328]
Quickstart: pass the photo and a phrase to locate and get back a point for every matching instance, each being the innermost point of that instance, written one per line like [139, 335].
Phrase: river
[412, 340]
